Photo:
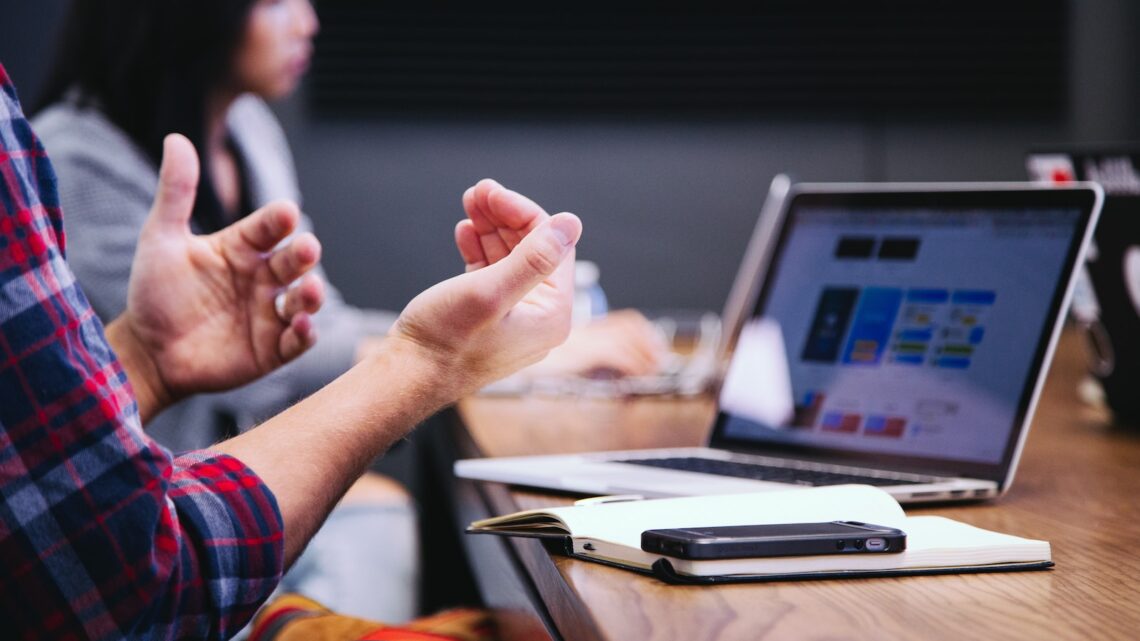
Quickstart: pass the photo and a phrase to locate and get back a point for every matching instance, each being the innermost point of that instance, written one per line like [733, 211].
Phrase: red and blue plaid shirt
[102, 534]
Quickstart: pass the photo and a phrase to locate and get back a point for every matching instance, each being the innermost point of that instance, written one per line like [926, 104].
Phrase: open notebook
[610, 533]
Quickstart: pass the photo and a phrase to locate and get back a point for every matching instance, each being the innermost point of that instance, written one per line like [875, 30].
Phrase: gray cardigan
[106, 185]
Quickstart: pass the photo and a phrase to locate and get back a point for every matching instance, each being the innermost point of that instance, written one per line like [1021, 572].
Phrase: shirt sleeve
[103, 535]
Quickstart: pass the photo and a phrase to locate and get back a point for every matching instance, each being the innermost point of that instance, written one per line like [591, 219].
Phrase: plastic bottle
[589, 298]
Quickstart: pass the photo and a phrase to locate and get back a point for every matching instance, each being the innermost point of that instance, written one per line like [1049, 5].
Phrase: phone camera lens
[858, 544]
[840, 544]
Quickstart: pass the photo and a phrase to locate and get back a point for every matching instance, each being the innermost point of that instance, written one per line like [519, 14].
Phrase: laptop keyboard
[761, 472]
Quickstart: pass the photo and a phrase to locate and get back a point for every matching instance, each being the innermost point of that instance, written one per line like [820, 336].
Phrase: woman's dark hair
[150, 66]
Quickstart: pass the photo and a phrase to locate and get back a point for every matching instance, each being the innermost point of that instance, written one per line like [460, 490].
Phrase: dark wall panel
[833, 59]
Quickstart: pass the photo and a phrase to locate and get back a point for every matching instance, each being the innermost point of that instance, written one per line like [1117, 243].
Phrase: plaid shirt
[102, 534]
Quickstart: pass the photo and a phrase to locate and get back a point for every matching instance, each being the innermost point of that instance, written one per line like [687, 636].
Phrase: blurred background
[660, 127]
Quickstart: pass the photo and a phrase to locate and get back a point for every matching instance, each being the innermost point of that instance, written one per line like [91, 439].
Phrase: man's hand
[513, 304]
[624, 342]
[203, 311]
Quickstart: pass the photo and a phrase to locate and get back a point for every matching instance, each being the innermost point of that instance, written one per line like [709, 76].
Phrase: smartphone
[780, 539]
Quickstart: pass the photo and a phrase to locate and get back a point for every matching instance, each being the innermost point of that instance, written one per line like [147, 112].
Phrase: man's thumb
[177, 181]
[537, 257]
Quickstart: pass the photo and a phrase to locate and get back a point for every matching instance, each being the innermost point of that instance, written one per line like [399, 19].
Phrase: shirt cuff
[233, 525]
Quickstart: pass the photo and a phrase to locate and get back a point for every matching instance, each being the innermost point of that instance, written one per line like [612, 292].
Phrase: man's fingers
[265, 228]
[474, 204]
[510, 210]
[487, 229]
[501, 217]
[295, 259]
[470, 249]
[177, 182]
[298, 337]
[301, 302]
[494, 247]
[535, 259]
[306, 297]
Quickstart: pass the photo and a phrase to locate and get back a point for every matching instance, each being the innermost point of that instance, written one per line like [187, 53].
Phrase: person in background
[105, 535]
[129, 72]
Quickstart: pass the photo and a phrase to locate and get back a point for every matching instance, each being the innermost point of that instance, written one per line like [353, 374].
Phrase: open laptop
[899, 336]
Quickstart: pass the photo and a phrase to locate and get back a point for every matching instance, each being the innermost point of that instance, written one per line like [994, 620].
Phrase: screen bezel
[1018, 196]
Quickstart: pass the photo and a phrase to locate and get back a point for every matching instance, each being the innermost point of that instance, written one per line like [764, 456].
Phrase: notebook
[898, 336]
[611, 533]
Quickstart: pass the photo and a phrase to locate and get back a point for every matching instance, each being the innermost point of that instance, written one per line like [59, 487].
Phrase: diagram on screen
[890, 327]
[908, 327]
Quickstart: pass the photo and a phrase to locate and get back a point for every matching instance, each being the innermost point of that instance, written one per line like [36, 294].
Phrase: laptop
[897, 335]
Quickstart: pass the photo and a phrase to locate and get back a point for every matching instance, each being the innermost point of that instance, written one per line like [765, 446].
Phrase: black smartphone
[779, 539]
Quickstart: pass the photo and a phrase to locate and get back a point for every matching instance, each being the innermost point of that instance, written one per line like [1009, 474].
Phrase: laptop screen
[904, 327]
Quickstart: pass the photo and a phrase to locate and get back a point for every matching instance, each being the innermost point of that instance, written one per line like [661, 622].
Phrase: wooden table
[1078, 487]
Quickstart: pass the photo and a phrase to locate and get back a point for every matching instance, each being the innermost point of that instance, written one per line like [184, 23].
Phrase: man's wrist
[433, 378]
[151, 393]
